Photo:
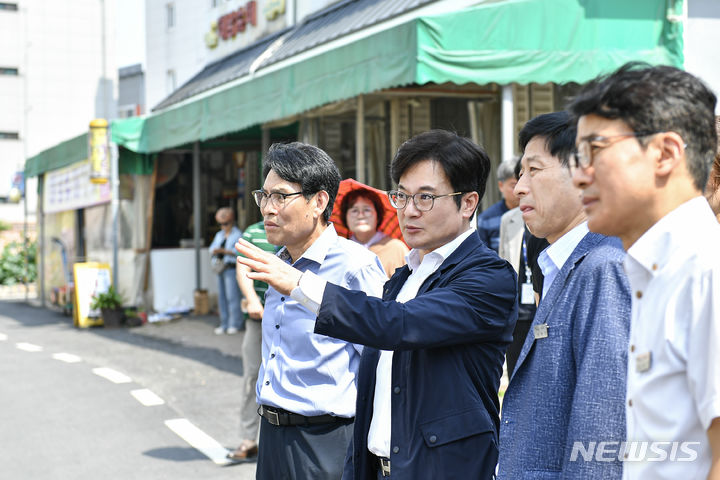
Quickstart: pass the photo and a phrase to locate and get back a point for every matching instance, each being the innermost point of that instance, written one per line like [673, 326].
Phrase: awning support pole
[40, 219]
[196, 212]
[508, 121]
[115, 208]
[265, 139]
[360, 140]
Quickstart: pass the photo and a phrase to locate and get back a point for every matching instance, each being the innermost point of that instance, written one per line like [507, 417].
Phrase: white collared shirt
[380, 425]
[552, 259]
[673, 384]
[310, 293]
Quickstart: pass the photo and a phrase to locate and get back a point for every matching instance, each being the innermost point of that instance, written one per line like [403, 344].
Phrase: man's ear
[468, 203]
[321, 202]
[672, 153]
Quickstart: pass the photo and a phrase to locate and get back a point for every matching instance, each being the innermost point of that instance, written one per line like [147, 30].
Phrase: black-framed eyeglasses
[277, 199]
[424, 202]
[225, 224]
[587, 147]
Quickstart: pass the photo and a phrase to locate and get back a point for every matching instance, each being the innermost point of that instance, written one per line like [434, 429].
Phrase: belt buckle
[272, 417]
[384, 466]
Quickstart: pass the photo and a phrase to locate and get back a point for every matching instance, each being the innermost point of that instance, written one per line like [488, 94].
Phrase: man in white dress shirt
[646, 138]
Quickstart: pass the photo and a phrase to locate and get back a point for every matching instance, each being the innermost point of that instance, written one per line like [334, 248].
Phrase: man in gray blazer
[521, 249]
[567, 392]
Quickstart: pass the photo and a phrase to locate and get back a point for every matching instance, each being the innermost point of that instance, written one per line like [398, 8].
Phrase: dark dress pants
[303, 452]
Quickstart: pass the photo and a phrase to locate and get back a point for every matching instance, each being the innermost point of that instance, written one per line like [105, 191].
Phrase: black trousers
[303, 452]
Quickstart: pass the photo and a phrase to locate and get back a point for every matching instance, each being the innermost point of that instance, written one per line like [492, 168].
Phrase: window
[8, 71]
[9, 135]
[170, 11]
[170, 81]
[127, 111]
[8, 6]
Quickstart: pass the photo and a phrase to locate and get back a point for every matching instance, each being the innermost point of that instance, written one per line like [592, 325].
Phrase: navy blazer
[449, 343]
[570, 386]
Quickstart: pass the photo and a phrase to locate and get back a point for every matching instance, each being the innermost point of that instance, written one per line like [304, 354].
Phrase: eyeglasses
[225, 224]
[366, 211]
[583, 158]
[277, 199]
[424, 202]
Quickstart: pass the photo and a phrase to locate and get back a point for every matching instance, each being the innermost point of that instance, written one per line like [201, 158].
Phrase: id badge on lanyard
[527, 294]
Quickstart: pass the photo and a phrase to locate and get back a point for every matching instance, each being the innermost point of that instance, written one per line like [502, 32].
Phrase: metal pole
[40, 219]
[508, 124]
[265, 139]
[25, 154]
[106, 110]
[115, 207]
[360, 140]
[26, 244]
[196, 212]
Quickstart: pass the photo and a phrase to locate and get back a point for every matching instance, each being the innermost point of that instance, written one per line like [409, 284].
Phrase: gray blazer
[570, 385]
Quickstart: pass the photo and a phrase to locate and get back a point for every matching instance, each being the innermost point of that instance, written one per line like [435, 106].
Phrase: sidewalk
[17, 292]
[193, 331]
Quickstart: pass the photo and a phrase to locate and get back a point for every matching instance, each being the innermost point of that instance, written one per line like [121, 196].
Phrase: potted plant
[133, 317]
[110, 304]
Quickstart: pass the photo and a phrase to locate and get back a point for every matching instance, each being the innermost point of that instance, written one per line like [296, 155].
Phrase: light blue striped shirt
[552, 259]
[303, 372]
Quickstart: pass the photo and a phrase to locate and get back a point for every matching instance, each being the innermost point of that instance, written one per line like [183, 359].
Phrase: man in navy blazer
[563, 411]
[428, 379]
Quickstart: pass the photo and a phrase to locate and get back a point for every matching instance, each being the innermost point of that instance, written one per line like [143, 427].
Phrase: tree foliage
[12, 263]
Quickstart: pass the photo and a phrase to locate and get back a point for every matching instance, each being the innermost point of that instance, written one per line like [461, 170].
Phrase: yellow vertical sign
[99, 151]
[91, 278]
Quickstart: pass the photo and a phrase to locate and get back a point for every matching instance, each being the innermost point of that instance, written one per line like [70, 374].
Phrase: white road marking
[67, 357]
[112, 375]
[199, 439]
[3, 337]
[29, 347]
[147, 397]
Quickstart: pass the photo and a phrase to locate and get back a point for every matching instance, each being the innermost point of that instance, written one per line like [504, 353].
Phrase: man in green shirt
[254, 293]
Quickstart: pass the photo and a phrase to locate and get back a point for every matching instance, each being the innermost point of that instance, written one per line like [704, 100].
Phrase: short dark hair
[353, 195]
[657, 99]
[518, 167]
[465, 164]
[557, 130]
[714, 180]
[306, 165]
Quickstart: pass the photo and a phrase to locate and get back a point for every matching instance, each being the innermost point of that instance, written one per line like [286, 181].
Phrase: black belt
[278, 416]
[383, 465]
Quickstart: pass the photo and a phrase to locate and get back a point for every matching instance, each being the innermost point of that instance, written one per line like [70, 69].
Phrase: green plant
[4, 226]
[109, 300]
[132, 317]
[12, 263]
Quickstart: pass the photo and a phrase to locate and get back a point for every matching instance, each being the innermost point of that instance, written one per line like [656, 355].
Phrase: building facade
[131, 91]
[355, 77]
[57, 72]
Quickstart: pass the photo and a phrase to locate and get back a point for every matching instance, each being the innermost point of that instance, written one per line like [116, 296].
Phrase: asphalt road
[63, 416]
